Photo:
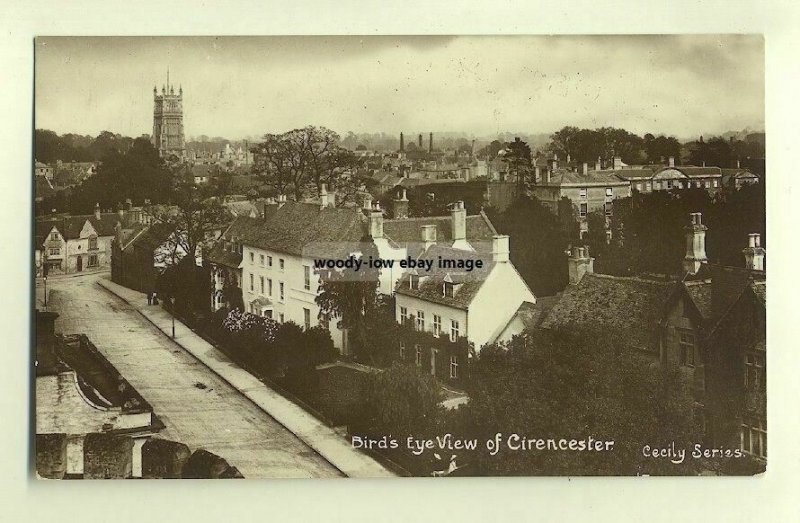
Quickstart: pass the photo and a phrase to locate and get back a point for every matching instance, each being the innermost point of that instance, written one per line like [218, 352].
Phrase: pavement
[315, 434]
[197, 406]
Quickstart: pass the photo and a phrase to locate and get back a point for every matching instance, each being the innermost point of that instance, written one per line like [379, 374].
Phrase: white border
[768, 498]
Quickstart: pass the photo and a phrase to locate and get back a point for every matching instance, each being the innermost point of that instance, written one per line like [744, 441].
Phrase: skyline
[237, 87]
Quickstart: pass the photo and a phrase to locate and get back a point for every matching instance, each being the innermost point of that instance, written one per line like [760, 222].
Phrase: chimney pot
[672, 161]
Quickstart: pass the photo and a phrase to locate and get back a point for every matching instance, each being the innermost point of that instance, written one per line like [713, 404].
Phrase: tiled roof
[407, 232]
[630, 306]
[533, 314]
[431, 283]
[759, 288]
[240, 229]
[306, 229]
[700, 294]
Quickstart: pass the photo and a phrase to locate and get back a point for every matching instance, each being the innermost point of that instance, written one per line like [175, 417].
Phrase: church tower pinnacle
[168, 135]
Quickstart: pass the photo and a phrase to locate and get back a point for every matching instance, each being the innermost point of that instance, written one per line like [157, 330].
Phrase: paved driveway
[197, 407]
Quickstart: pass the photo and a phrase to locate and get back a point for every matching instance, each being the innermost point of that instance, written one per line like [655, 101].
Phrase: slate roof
[407, 232]
[431, 283]
[569, 177]
[631, 306]
[305, 229]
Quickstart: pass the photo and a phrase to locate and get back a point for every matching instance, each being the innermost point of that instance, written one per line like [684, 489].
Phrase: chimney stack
[617, 163]
[754, 253]
[367, 207]
[400, 205]
[402, 143]
[420, 140]
[97, 211]
[553, 164]
[428, 235]
[500, 248]
[459, 216]
[376, 222]
[430, 142]
[598, 165]
[672, 161]
[695, 244]
[585, 169]
[537, 174]
[579, 264]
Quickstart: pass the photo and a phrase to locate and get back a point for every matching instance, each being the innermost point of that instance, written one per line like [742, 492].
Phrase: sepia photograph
[399, 256]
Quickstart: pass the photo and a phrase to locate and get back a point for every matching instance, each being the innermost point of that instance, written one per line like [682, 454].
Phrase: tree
[352, 296]
[137, 174]
[574, 384]
[192, 220]
[539, 240]
[301, 160]
[517, 157]
[401, 401]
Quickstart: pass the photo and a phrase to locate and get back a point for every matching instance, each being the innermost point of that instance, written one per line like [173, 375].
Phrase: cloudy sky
[245, 86]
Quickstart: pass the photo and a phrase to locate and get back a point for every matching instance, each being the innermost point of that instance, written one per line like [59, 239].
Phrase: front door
[80, 263]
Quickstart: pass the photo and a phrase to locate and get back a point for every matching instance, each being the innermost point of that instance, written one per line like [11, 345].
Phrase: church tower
[168, 121]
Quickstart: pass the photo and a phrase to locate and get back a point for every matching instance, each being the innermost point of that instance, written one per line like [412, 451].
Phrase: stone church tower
[168, 121]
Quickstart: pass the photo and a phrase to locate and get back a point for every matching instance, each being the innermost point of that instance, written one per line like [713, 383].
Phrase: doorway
[80, 264]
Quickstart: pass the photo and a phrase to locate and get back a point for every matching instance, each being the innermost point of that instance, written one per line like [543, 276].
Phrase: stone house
[71, 244]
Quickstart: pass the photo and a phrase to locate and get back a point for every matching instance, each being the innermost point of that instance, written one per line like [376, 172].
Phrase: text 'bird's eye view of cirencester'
[394, 256]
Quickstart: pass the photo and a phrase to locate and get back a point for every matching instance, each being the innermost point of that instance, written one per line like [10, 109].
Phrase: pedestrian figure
[149, 298]
[155, 298]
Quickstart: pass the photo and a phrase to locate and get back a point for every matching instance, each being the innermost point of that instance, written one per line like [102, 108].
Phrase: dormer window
[449, 289]
[413, 281]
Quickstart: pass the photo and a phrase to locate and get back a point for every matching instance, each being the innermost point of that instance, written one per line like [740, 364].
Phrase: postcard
[399, 256]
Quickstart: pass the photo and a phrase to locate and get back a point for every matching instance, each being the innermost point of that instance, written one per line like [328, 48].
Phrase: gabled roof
[70, 227]
[468, 283]
[631, 306]
[240, 229]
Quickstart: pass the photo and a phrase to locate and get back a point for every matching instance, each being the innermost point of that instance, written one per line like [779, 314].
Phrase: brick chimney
[459, 222]
[419, 139]
[617, 163]
[754, 253]
[553, 163]
[537, 174]
[376, 222]
[672, 161]
[428, 235]
[500, 248]
[579, 263]
[695, 244]
[598, 165]
[97, 211]
[585, 169]
[400, 205]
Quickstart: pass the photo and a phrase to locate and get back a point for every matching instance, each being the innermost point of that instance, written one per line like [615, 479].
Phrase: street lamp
[172, 310]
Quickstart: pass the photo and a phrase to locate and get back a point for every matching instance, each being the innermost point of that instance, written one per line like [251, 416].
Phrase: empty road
[197, 407]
